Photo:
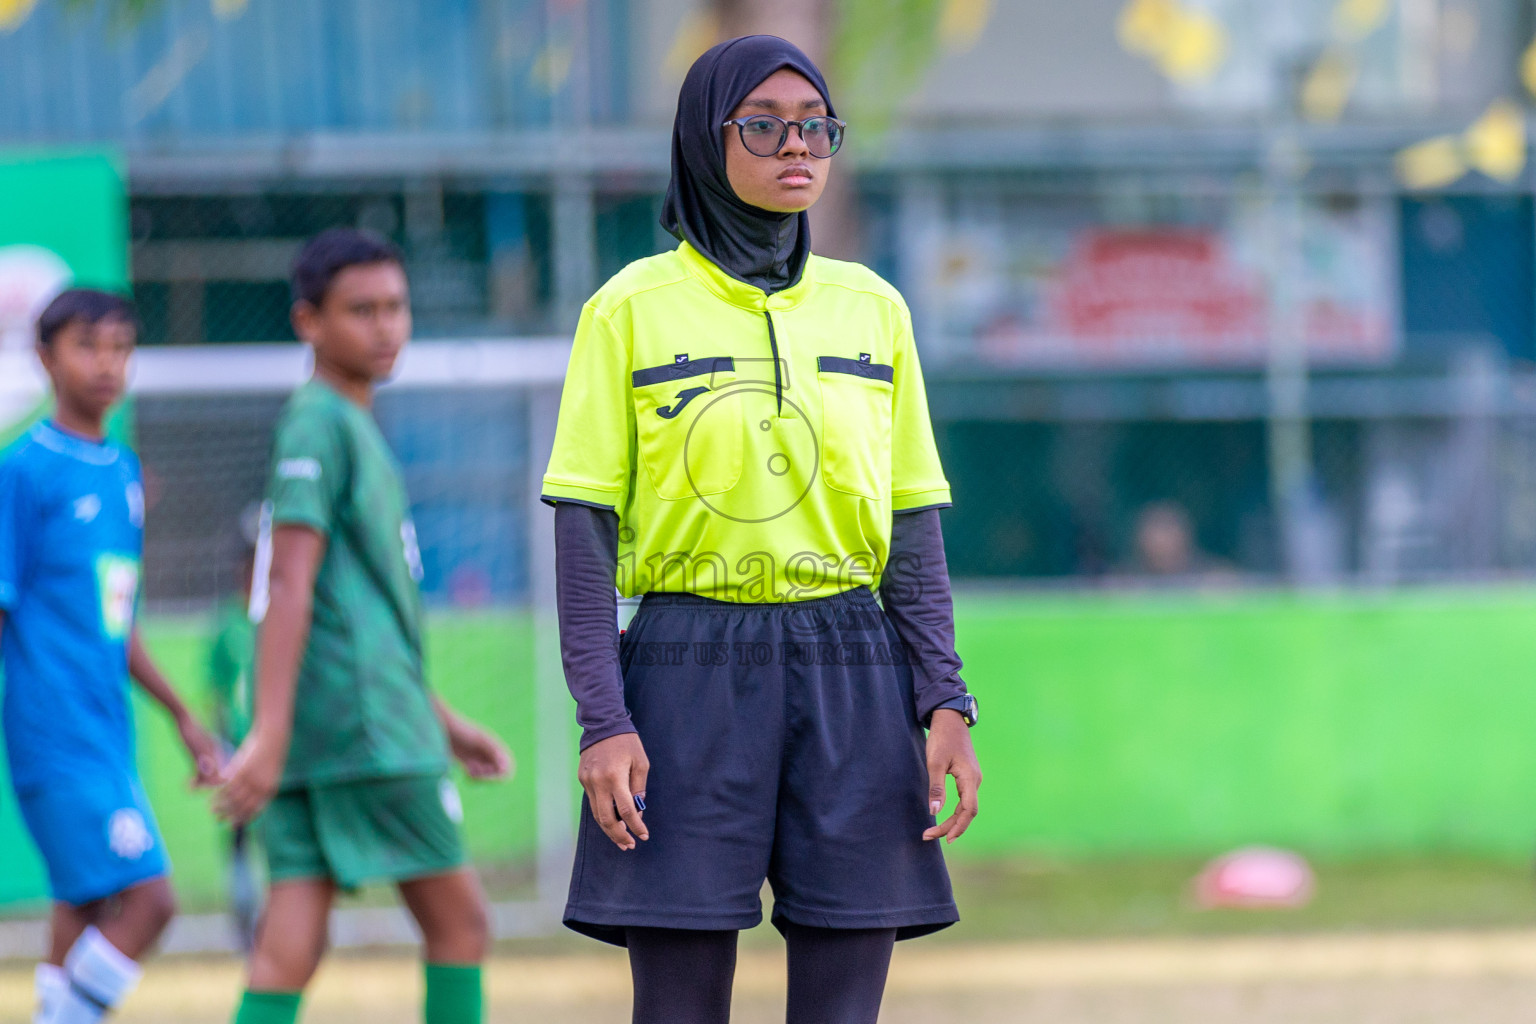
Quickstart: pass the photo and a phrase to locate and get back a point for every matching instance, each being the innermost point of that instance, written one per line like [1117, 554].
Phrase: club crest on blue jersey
[127, 834]
[87, 508]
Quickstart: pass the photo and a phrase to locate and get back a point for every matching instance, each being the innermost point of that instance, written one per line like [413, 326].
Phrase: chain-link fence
[1109, 367]
[465, 457]
[1444, 491]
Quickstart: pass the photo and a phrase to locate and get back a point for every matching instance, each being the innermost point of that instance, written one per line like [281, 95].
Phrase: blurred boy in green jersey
[348, 750]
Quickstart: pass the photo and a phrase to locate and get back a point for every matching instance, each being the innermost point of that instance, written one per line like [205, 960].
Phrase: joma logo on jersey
[668, 412]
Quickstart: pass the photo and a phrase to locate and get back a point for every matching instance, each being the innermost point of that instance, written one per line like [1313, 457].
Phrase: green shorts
[392, 829]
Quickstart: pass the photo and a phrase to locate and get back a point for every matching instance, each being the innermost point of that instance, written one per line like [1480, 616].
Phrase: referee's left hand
[950, 753]
[613, 772]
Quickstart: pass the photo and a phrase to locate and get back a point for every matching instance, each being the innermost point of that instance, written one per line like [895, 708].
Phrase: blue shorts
[97, 837]
[784, 746]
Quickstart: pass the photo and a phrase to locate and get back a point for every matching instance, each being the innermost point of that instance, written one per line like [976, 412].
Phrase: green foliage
[123, 12]
[880, 50]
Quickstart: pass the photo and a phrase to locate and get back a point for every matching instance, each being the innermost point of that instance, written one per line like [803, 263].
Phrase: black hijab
[764, 249]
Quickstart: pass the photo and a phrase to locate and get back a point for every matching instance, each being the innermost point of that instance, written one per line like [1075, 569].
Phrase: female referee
[744, 440]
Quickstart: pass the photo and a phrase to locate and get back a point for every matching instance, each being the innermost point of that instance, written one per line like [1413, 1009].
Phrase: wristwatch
[965, 704]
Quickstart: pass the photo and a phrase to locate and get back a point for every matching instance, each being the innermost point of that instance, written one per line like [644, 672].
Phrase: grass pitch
[1041, 943]
[1397, 978]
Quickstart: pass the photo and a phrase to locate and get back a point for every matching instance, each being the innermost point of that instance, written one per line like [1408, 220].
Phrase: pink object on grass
[1256, 877]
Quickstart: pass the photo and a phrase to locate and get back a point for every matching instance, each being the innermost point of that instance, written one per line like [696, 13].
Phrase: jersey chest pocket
[688, 426]
[856, 399]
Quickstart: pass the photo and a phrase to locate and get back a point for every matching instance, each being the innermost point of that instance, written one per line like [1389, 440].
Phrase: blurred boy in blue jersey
[71, 537]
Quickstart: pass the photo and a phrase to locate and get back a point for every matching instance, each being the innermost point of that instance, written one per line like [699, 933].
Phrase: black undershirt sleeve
[914, 591]
[586, 559]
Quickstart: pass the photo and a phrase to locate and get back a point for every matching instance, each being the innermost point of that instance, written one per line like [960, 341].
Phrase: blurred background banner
[1226, 309]
[1044, 283]
[63, 218]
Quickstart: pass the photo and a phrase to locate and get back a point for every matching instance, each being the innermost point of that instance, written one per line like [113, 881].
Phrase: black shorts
[783, 745]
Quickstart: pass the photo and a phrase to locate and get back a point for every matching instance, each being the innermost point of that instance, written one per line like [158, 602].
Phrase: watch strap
[965, 704]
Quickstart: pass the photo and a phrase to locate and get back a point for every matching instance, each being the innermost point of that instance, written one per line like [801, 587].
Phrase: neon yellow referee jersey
[754, 446]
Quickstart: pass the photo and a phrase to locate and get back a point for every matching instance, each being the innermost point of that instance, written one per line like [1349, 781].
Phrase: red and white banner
[1094, 297]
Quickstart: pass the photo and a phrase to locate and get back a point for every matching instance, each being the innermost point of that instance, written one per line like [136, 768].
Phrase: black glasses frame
[784, 127]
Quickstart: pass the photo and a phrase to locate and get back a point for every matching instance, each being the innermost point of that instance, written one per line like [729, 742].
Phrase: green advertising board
[63, 220]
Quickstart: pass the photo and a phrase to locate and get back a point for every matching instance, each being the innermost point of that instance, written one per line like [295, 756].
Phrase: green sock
[454, 995]
[268, 1008]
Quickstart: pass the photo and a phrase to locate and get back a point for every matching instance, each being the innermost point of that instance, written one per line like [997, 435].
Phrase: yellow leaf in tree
[1326, 91]
[1195, 49]
[1146, 26]
[1356, 19]
[1433, 163]
[697, 32]
[552, 66]
[14, 12]
[962, 22]
[1496, 141]
[1528, 68]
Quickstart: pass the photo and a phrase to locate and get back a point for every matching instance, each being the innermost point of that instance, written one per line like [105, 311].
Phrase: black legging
[836, 976]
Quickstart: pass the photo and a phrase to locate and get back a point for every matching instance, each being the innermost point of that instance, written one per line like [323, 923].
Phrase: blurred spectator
[1167, 551]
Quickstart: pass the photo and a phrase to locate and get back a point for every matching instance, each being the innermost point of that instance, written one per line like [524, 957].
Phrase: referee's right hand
[613, 772]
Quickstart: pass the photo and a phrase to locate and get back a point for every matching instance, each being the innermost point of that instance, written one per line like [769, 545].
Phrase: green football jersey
[362, 709]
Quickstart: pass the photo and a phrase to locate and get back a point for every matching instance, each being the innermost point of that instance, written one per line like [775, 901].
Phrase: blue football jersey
[71, 540]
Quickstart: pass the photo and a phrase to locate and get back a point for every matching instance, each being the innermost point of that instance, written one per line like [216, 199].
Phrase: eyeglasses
[765, 134]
